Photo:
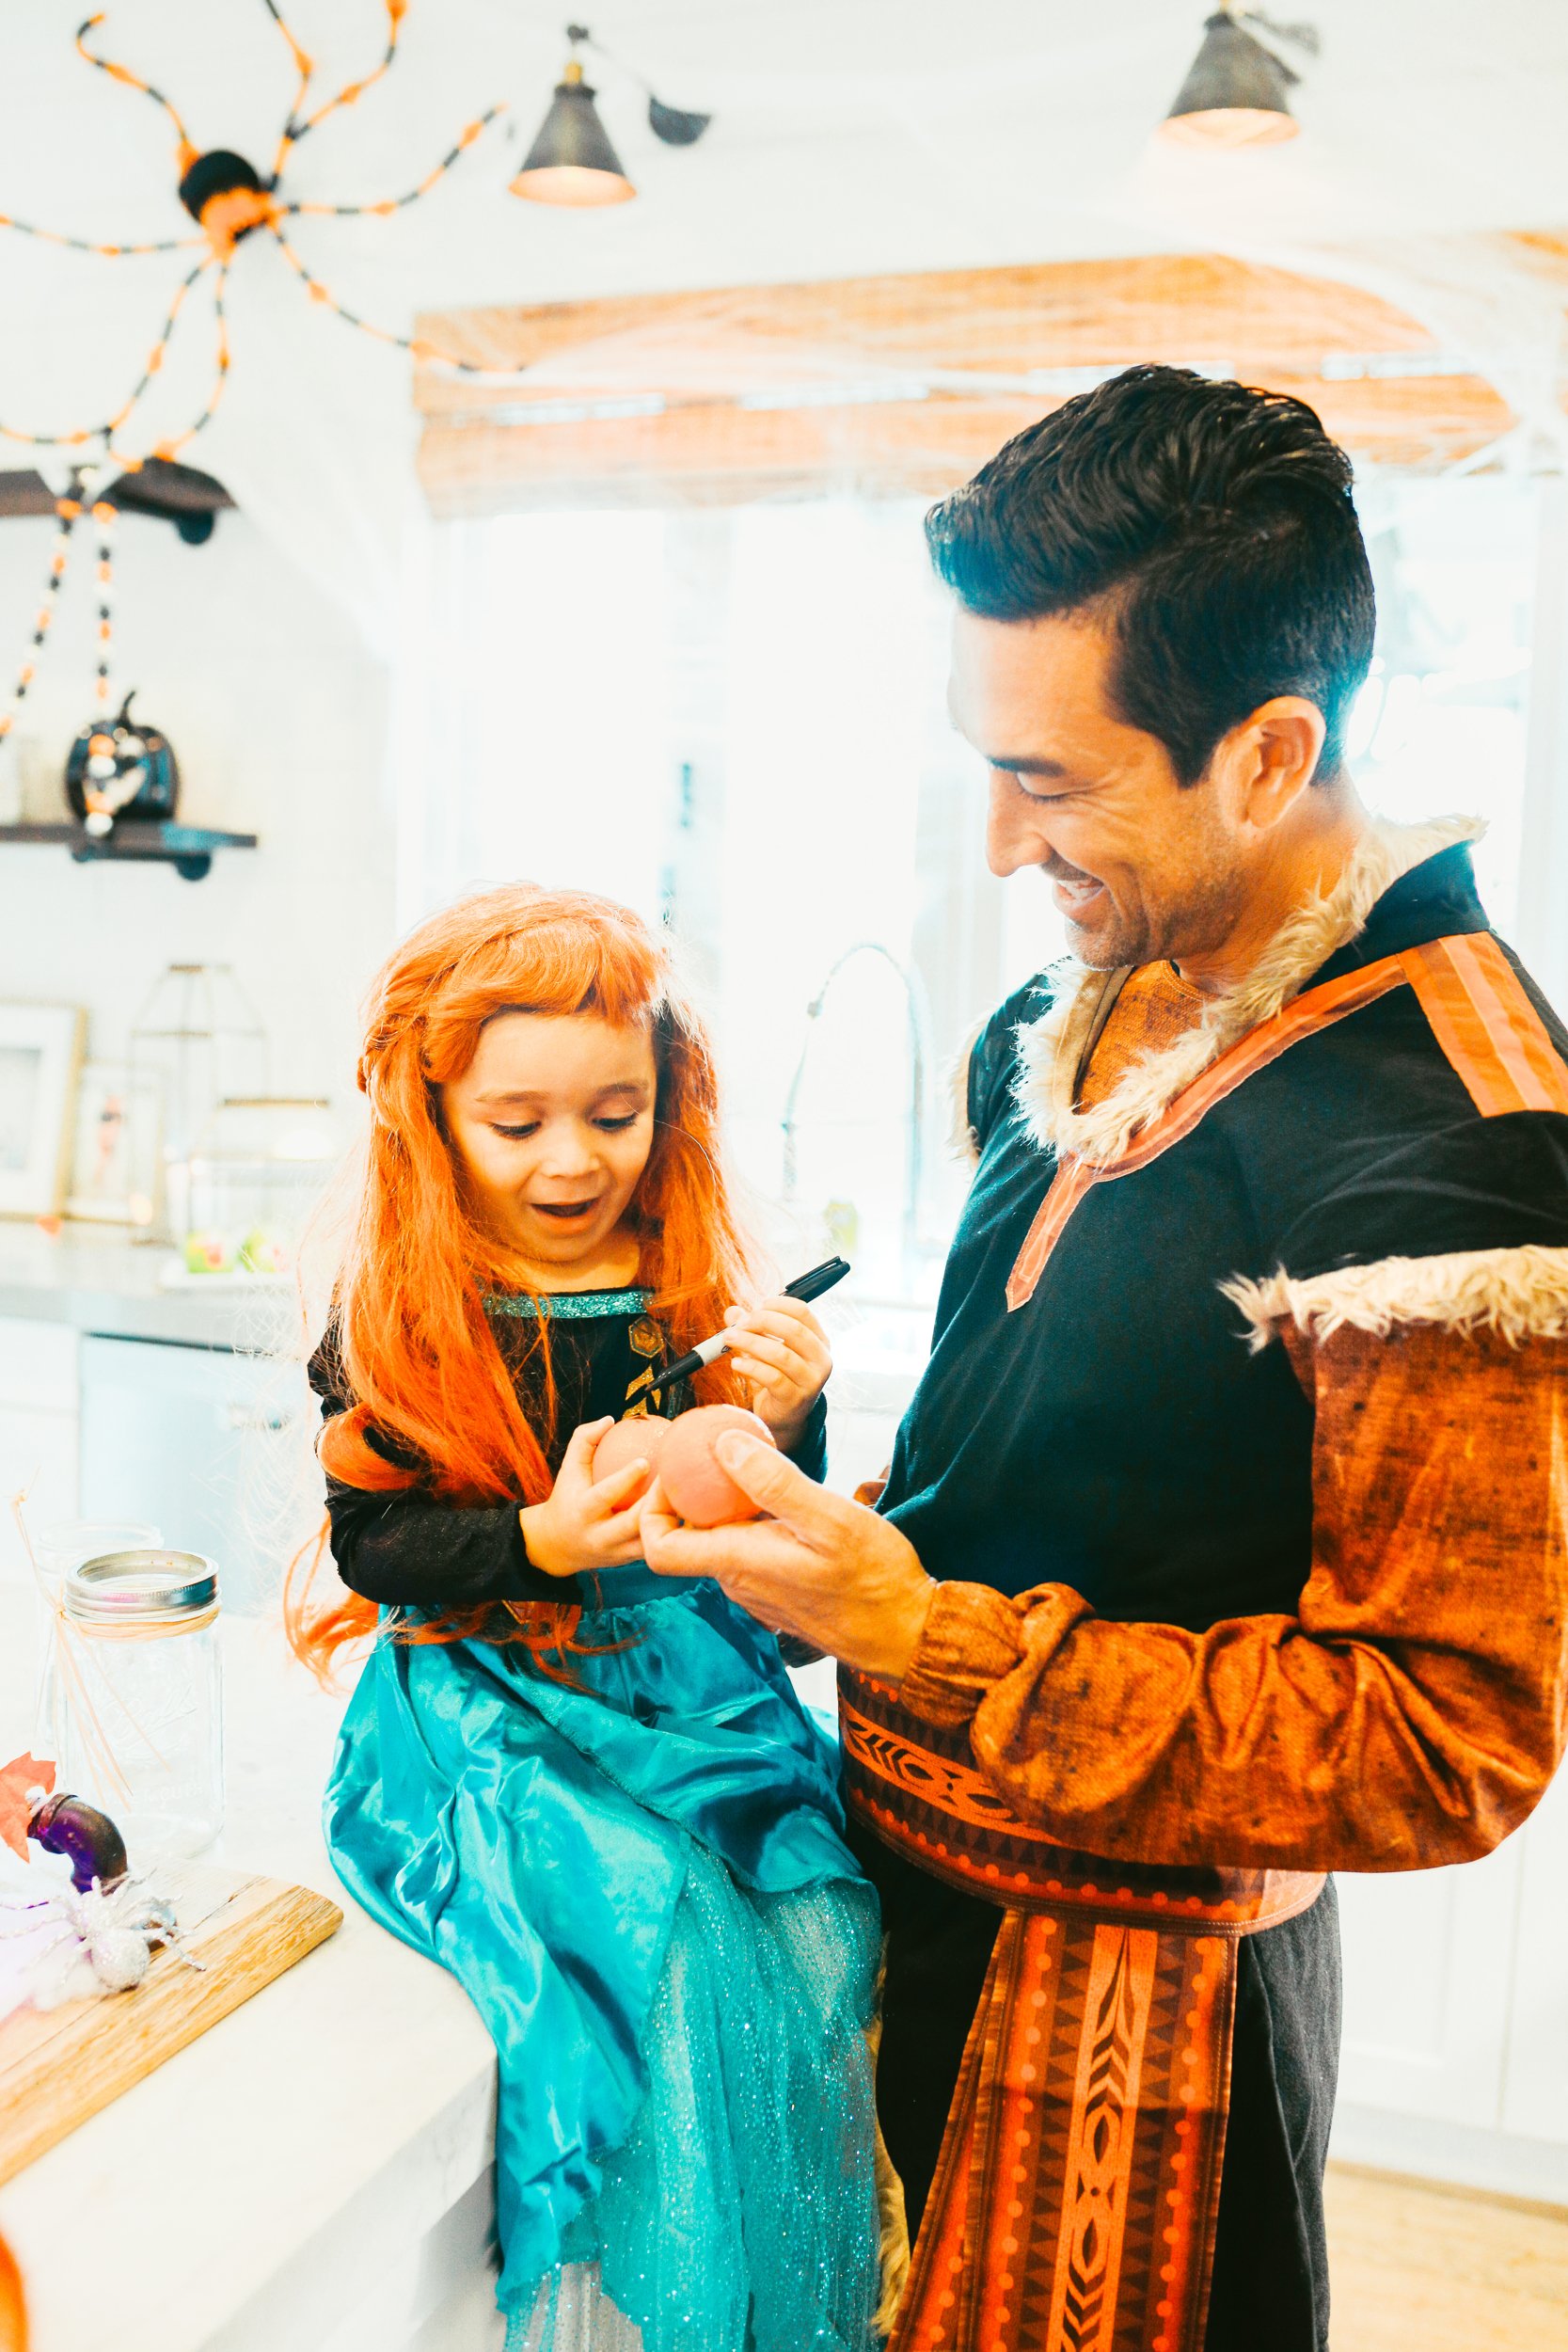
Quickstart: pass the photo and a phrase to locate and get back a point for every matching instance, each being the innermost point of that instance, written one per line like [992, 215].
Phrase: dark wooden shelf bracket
[187, 848]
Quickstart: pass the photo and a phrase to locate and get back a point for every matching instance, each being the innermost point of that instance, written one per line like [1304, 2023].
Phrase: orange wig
[420, 1359]
[13, 2310]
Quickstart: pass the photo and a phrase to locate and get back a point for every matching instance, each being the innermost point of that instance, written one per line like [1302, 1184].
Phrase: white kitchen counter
[101, 1282]
[314, 2172]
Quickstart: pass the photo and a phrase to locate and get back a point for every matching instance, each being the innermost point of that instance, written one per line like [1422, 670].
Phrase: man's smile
[1074, 891]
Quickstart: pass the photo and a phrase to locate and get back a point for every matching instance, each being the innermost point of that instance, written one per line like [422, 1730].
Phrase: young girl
[589, 1792]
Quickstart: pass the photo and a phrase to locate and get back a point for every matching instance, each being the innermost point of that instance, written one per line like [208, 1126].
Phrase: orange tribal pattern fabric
[1074, 2204]
[914, 1782]
[1073, 2208]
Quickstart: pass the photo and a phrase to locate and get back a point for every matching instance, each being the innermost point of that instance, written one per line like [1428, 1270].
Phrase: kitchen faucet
[920, 1057]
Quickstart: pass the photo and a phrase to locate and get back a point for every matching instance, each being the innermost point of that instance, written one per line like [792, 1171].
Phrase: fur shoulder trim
[1521, 1294]
[1050, 1049]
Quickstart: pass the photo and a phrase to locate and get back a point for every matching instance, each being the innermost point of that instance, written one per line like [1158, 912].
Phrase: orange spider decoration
[230, 201]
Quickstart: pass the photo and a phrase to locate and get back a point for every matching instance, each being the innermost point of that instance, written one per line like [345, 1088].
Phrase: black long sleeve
[407, 1550]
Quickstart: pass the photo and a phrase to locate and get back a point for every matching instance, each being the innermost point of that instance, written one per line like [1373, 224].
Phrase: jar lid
[123, 1587]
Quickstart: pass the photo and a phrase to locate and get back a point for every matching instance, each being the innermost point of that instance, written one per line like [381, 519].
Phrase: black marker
[804, 1287]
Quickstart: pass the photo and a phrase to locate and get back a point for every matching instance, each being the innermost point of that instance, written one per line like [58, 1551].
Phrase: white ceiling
[849, 135]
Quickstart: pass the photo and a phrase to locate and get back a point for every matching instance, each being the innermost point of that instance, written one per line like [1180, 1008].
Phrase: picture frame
[116, 1157]
[41, 1054]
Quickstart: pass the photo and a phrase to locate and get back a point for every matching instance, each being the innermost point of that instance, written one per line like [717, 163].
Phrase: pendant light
[572, 161]
[1238, 91]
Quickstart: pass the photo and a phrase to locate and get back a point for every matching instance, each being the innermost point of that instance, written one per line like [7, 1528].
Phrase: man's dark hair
[1214, 527]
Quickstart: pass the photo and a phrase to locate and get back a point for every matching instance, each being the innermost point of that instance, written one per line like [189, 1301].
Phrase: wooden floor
[1422, 2269]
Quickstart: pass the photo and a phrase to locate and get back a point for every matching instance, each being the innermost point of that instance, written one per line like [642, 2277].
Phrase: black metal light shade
[1236, 95]
[673, 124]
[572, 161]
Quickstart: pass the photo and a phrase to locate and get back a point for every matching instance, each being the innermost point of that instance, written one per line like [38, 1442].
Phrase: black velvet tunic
[1117, 1437]
[409, 1549]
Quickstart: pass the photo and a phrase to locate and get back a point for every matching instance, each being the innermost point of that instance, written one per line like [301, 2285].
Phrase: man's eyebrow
[1024, 767]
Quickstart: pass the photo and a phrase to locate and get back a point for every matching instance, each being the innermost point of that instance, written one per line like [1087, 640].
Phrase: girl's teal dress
[639, 1877]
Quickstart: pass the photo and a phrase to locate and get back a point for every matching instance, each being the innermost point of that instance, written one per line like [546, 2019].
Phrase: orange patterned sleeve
[1410, 1714]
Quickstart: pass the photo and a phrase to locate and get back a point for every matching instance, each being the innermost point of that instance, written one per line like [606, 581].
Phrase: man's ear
[1265, 764]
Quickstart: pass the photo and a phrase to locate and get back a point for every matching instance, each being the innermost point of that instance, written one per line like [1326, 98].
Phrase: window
[1440, 725]
[734, 719]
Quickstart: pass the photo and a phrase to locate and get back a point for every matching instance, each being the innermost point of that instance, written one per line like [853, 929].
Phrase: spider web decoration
[230, 201]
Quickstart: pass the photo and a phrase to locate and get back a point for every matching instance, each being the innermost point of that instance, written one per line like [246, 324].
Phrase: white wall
[278, 718]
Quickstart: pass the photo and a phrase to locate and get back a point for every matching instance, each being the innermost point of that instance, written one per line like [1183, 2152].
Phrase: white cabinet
[1455, 2058]
[211, 1448]
[38, 1431]
[1535, 2072]
[1429, 1957]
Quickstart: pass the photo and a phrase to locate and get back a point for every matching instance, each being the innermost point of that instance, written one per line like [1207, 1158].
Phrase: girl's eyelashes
[520, 1135]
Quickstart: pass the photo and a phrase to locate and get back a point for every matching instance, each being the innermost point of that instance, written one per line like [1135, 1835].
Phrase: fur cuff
[1520, 1293]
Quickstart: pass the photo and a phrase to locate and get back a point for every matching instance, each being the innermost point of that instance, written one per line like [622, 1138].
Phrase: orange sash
[1490, 1034]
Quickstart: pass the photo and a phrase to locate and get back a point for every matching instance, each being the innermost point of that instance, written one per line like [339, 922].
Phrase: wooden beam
[1196, 307]
[722, 454]
[903, 352]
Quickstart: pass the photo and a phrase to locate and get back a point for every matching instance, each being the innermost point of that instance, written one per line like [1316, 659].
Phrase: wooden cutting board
[59, 2066]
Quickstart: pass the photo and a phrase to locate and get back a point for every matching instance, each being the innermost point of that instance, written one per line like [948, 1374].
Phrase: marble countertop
[266, 2186]
[104, 1283]
[116, 1287]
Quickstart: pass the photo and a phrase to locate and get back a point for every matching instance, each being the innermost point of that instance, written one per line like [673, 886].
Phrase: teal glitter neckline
[571, 1306]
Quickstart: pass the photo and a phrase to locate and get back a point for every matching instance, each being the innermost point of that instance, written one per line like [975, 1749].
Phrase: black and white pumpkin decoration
[122, 769]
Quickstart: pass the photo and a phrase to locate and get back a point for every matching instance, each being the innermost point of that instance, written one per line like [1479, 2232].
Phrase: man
[1225, 1539]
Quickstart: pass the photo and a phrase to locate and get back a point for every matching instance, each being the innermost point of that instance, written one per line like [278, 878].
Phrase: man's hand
[828, 1570]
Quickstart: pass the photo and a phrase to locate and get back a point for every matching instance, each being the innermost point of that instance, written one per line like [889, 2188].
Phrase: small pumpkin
[122, 770]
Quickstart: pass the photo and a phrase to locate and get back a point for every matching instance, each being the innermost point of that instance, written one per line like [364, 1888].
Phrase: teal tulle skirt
[642, 1885]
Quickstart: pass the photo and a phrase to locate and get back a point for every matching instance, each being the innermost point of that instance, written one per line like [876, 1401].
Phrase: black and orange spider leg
[106, 431]
[105, 515]
[305, 66]
[386, 205]
[171, 449]
[132, 81]
[87, 245]
[296, 128]
[67, 511]
[156, 356]
[415, 346]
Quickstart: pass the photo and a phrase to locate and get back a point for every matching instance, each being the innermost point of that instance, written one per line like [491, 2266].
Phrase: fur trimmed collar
[1051, 1048]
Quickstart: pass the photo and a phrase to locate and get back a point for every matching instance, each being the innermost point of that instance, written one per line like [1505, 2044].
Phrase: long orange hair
[421, 1361]
[13, 2308]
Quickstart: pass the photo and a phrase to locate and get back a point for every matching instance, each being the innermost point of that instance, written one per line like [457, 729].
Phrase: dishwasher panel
[212, 1447]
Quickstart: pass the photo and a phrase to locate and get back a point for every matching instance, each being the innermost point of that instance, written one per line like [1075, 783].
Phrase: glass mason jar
[143, 1700]
[57, 1550]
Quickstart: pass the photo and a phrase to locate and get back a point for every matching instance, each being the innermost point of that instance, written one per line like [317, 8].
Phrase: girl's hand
[584, 1526]
[782, 1349]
